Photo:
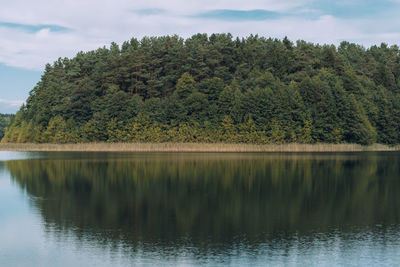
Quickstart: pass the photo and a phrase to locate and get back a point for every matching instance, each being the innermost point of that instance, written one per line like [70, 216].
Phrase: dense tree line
[217, 89]
[5, 120]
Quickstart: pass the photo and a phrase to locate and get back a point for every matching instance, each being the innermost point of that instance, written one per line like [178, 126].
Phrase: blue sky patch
[33, 28]
[353, 8]
[239, 15]
[15, 85]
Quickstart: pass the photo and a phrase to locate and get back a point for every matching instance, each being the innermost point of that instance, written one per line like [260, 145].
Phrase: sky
[34, 33]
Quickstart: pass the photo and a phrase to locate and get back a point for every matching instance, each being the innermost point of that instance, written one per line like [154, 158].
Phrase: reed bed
[194, 147]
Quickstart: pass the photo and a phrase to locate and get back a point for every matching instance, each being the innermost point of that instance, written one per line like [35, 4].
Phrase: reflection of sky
[14, 155]
[26, 242]
[18, 226]
[10, 204]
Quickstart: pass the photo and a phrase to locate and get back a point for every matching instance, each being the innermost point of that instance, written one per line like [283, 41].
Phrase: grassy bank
[195, 147]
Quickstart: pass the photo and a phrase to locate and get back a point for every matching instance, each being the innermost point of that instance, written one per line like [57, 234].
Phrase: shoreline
[192, 147]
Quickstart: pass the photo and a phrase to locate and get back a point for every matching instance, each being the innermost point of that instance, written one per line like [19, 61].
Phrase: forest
[5, 120]
[216, 88]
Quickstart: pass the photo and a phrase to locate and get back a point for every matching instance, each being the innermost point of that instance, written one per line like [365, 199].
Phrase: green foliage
[212, 88]
[5, 120]
[228, 130]
[56, 131]
[185, 86]
[304, 134]
[215, 89]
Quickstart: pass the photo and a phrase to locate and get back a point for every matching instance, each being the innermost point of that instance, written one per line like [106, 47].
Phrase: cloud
[33, 28]
[10, 106]
[149, 11]
[33, 50]
[33, 33]
[12, 103]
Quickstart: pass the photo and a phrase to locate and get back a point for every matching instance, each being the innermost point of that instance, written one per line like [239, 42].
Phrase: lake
[184, 209]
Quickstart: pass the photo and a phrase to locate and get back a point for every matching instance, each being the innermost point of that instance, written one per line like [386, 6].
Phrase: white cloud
[10, 106]
[95, 23]
[12, 103]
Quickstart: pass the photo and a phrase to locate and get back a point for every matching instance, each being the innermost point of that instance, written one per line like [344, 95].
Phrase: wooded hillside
[217, 89]
[5, 120]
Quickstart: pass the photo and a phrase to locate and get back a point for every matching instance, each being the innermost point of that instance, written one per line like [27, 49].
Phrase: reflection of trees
[168, 196]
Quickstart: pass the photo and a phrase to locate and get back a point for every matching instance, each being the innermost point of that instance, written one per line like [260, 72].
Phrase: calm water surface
[183, 209]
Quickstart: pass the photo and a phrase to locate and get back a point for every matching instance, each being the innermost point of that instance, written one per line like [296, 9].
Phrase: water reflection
[208, 204]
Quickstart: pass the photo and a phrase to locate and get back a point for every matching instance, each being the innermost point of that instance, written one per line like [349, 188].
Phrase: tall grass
[195, 147]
